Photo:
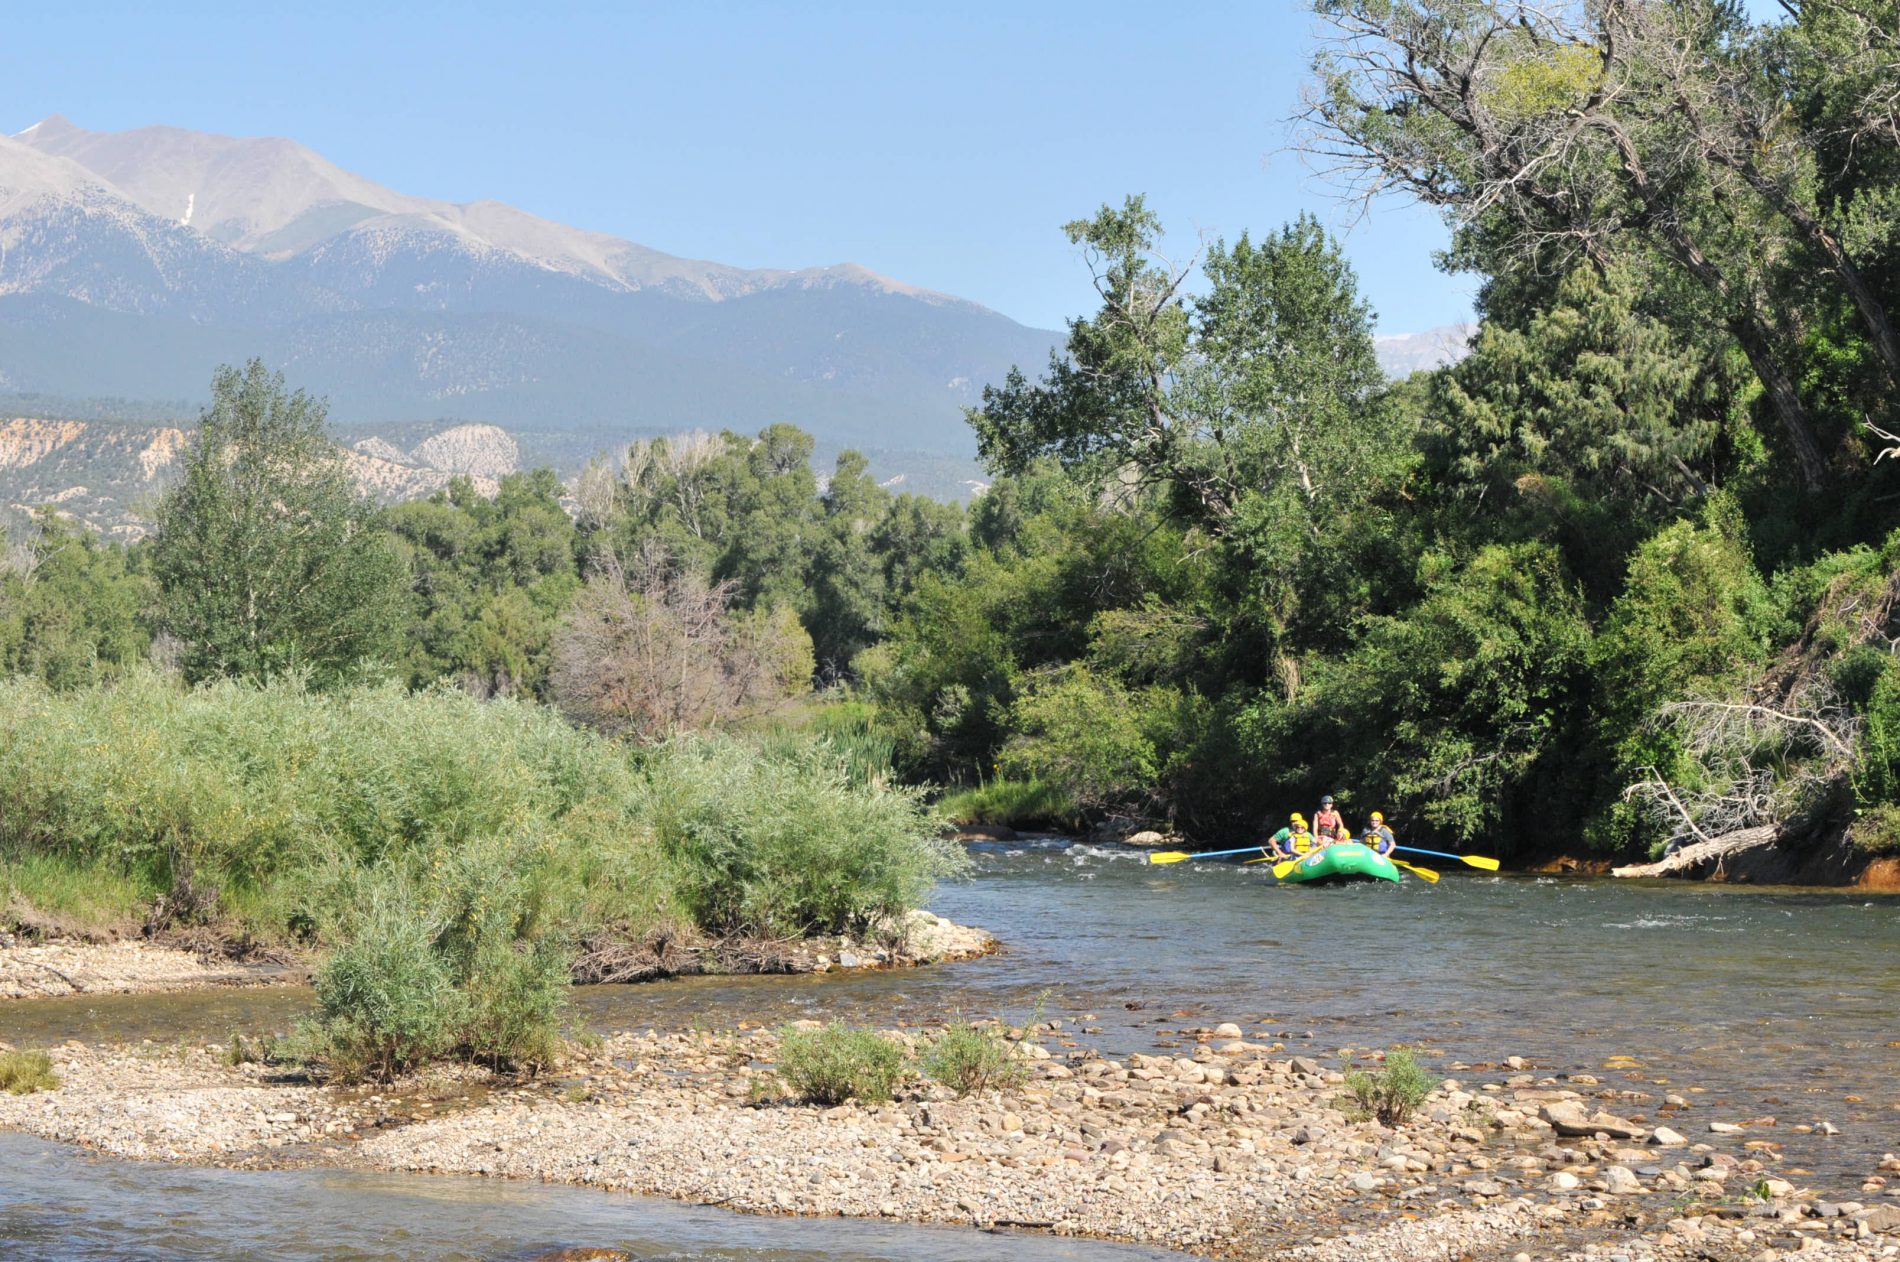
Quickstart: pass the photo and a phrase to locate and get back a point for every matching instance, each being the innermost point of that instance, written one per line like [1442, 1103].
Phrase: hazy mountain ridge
[109, 473]
[1402, 354]
[206, 249]
[133, 263]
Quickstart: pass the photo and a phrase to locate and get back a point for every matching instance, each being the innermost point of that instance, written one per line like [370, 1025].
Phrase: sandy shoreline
[1237, 1150]
[66, 967]
[46, 970]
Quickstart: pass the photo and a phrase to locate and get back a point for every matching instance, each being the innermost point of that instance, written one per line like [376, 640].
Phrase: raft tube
[1344, 861]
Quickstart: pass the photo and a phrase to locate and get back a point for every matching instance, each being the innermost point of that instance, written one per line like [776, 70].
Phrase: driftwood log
[1690, 860]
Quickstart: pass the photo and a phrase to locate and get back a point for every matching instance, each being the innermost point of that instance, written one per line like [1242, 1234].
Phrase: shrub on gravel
[838, 1062]
[968, 1058]
[1392, 1093]
[789, 841]
[23, 1073]
[453, 962]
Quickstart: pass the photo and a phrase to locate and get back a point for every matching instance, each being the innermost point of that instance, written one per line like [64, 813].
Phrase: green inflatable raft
[1343, 861]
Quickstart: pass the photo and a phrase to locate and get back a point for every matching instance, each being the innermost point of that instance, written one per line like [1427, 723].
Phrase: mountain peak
[131, 262]
[53, 125]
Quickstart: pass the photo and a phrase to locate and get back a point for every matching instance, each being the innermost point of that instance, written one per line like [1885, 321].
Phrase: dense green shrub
[287, 806]
[1694, 621]
[1869, 680]
[386, 1000]
[1081, 733]
[1876, 830]
[1391, 1094]
[968, 1057]
[23, 1073]
[838, 1062]
[446, 961]
[1013, 803]
[261, 791]
[787, 840]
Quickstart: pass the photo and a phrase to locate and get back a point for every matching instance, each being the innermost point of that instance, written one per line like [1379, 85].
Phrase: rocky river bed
[1756, 1026]
[1233, 1149]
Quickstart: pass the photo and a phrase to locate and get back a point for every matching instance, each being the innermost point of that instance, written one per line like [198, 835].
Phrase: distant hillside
[1402, 354]
[108, 471]
[109, 474]
[132, 263]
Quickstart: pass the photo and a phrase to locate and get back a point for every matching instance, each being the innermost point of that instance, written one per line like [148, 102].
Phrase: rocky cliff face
[109, 475]
[482, 451]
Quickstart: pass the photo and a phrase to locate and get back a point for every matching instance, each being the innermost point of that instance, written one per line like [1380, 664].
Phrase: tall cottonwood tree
[1255, 410]
[1556, 131]
[267, 557]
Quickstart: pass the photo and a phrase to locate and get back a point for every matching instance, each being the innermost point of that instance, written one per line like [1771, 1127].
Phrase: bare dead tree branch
[651, 649]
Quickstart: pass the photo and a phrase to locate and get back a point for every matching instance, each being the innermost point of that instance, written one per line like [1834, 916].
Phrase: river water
[1752, 1002]
[57, 1204]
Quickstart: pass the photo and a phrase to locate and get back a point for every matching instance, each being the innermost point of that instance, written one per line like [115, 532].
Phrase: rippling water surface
[1780, 1002]
[59, 1205]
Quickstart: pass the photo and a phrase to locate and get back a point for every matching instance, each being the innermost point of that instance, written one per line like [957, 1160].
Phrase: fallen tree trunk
[1714, 852]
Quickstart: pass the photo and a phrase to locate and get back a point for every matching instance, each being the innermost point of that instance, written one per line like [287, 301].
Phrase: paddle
[1473, 860]
[1430, 877]
[1281, 869]
[1175, 856]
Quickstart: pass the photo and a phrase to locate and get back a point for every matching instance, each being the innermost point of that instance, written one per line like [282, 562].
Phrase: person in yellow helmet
[1292, 841]
[1378, 836]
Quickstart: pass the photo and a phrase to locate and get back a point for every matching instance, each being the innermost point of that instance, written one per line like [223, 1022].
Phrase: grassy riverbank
[268, 811]
[453, 862]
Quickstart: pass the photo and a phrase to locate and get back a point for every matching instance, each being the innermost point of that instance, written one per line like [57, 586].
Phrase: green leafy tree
[1675, 132]
[491, 579]
[72, 609]
[1590, 388]
[1449, 708]
[1082, 734]
[267, 557]
[1255, 412]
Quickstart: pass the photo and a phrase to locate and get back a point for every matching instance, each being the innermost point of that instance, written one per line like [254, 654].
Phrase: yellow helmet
[1378, 818]
[1298, 818]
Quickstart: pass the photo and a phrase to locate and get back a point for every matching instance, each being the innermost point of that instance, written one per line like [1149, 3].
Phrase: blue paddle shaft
[1436, 854]
[1216, 854]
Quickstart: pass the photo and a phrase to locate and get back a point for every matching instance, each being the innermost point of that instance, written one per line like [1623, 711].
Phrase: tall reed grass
[271, 807]
[444, 852]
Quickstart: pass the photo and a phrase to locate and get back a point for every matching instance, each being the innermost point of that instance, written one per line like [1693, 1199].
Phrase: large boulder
[1568, 1117]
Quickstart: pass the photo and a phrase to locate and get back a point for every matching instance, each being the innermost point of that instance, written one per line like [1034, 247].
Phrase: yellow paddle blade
[1281, 869]
[1169, 856]
[1430, 877]
[1479, 861]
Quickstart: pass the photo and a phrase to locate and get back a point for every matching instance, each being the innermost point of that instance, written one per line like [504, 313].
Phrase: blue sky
[943, 145]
